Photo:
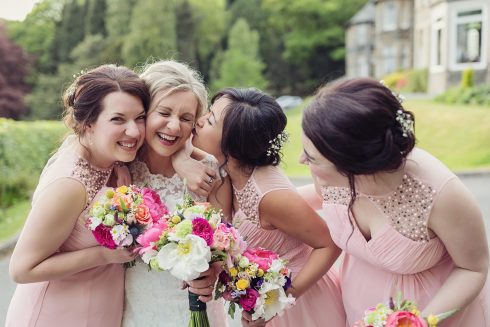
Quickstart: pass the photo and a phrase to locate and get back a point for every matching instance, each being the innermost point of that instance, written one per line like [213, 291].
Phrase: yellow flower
[122, 189]
[432, 320]
[109, 193]
[242, 284]
[233, 272]
[175, 219]
[416, 312]
[260, 273]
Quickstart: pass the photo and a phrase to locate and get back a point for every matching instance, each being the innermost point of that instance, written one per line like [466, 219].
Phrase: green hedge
[476, 95]
[24, 149]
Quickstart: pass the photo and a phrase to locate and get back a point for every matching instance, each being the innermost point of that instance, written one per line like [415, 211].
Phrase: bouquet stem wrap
[199, 317]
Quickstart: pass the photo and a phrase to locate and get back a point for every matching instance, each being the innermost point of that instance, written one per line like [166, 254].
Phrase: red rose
[248, 300]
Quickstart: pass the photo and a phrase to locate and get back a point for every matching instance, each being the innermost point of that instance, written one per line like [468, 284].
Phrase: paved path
[479, 185]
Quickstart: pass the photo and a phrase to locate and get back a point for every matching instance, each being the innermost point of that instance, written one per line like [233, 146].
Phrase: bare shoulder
[64, 194]
[454, 203]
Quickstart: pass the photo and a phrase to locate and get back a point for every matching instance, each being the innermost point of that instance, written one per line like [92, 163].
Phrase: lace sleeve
[139, 174]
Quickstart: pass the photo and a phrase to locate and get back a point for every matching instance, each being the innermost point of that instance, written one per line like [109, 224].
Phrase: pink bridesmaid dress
[321, 304]
[402, 256]
[93, 297]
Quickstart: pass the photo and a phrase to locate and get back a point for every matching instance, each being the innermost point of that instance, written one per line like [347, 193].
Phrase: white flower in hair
[277, 143]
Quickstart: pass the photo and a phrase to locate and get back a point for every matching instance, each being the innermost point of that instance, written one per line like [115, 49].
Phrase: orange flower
[142, 214]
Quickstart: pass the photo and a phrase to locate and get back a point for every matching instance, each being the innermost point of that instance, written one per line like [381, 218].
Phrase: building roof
[365, 15]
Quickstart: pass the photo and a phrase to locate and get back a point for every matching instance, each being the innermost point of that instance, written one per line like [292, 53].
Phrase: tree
[69, 30]
[313, 36]
[211, 22]
[186, 33]
[154, 37]
[118, 19]
[13, 69]
[96, 14]
[241, 65]
[36, 33]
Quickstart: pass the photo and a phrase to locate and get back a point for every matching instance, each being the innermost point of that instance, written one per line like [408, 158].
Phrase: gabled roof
[365, 15]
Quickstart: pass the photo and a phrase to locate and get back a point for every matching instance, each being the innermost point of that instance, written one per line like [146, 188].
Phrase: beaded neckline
[408, 207]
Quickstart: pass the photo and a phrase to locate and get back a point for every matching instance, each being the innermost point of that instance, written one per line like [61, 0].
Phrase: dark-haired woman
[403, 220]
[65, 278]
[244, 130]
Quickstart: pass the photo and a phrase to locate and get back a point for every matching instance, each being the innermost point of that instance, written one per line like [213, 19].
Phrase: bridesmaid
[244, 130]
[405, 222]
[65, 278]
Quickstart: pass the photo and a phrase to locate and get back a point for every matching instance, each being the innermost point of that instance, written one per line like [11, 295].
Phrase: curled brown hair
[83, 99]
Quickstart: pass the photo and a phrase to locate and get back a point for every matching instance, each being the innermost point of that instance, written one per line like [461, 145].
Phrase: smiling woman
[64, 277]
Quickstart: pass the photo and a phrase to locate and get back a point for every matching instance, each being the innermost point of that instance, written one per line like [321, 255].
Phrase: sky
[15, 9]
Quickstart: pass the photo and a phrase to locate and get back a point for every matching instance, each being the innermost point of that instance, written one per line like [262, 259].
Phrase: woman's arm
[50, 222]
[311, 195]
[457, 221]
[199, 176]
[287, 211]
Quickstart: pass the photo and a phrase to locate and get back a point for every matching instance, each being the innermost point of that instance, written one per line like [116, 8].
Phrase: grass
[459, 135]
[13, 219]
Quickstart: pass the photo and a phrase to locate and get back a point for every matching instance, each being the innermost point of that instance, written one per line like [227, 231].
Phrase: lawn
[459, 135]
[13, 219]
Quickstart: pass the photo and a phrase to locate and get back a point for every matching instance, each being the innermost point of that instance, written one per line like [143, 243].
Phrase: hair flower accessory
[406, 122]
[276, 143]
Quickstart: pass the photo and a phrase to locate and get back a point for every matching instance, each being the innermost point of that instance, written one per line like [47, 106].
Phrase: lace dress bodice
[169, 303]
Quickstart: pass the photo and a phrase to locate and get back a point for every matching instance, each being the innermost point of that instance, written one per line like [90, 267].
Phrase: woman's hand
[119, 255]
[204, 286]
[248, 322]
[200, 178]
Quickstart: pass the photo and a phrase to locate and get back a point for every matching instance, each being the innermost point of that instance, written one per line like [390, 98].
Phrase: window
[468, 36]
[438, 44]
[389, 16]
[389, 59]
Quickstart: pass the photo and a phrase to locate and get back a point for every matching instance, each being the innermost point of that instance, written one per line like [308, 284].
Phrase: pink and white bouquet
[121, 214]
[399, 313]
[186, 242]
[256, 281]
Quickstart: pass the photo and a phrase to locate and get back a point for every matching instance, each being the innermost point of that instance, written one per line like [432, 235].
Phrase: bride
[178, 98]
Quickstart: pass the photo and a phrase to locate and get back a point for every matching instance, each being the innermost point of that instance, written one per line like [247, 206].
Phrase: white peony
[186, 259]
[272, 300]
[94, 222]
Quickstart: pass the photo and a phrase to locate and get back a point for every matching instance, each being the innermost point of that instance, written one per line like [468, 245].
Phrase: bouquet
[121, 214]
[399, 312]
[186, 242]
[256, 281]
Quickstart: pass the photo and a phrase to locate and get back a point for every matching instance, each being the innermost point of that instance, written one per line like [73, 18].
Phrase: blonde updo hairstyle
[83, 98]
[171, 76]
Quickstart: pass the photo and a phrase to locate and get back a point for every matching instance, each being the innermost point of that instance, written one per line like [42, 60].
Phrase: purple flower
[248, 301]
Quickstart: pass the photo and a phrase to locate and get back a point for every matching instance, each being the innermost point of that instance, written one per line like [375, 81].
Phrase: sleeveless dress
[321, 304]
[402, 256]
[93, 297]
[156, 298]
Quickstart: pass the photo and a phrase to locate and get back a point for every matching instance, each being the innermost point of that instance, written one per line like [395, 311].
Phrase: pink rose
[404, 319]
[104, 237]
[263, 258]
[248, 300]
[152, 234]
[201, 228]
[154, 203]
[221, 238]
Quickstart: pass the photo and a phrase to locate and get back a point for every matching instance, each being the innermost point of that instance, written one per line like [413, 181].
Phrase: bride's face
[209, 129]
[170, 121]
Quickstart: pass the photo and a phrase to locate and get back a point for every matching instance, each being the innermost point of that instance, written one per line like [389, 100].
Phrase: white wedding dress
[155, 298]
